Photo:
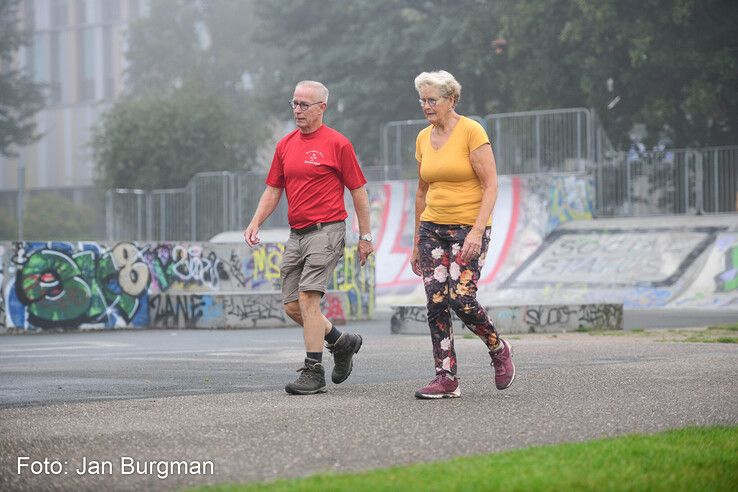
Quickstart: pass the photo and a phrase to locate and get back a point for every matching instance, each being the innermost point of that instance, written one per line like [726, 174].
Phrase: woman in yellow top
[457, 189]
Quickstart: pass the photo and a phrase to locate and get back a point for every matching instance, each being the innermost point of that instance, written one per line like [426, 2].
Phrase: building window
[81, 12]
[86, 65]
[59, 13]
[134, 9]
[29, 15]
[110, 10]
[55, 87]
[108, 62]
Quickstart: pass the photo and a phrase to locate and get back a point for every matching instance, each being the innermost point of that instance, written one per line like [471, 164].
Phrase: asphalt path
[217, 397]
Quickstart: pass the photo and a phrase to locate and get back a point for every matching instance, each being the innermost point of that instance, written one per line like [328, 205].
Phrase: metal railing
[210, 203]
[684, 181]
[557, 140]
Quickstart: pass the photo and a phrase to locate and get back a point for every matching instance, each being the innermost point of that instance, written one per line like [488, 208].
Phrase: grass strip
[693, 458]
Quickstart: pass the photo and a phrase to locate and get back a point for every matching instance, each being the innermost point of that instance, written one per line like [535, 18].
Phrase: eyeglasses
[303, 105]
[431, 102]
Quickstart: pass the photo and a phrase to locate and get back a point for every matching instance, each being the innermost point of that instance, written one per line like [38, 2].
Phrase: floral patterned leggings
[451, 283]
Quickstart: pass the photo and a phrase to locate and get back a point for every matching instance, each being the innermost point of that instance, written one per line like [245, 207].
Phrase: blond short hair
[446, 84]
[322, 90]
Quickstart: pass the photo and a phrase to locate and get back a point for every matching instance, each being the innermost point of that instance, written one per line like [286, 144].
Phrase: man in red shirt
[313, 164]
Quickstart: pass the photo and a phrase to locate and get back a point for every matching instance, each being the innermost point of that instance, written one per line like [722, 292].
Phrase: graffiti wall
[98, 285]
[717, 284]
[523, 319]
[527, 209]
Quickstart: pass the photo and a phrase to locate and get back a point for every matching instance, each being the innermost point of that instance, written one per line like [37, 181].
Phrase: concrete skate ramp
[716, 287]
[646, 262]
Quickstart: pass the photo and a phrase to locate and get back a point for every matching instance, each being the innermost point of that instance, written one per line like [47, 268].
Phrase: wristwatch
[366, 237]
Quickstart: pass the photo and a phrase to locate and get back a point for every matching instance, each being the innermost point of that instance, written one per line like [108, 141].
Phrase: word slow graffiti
[600, 316]
[57, 287]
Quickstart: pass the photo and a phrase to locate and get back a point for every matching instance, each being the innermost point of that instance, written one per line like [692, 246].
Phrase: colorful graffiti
[56, 286]
[92, 285]
[716, 286]
[727, 280]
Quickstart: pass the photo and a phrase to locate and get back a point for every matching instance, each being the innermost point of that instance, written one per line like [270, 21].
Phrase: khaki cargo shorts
[309, 260]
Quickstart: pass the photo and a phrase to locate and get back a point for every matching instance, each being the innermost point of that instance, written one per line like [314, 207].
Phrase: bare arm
[361, 205]
[267, 203]
[419, 208]
[483, 162]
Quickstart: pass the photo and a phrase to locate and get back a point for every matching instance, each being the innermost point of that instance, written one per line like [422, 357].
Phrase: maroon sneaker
[442, 386]
[503, 364]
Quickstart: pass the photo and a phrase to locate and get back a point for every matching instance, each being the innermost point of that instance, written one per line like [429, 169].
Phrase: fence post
[715, 191]
[149, 217]
[579, 139]
[193, 211]
[699, 191]
[538, 142]
[226, 222]
[139, 216]
[109, 215]
[627, 186]
[162, 218]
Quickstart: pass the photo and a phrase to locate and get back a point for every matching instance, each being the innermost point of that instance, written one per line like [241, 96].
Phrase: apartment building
[77, 50]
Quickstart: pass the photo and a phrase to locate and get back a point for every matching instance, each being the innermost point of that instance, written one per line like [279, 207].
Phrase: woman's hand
[415, 262]
[472, 245]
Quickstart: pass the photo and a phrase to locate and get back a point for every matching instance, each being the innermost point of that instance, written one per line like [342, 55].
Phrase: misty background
[99, 95]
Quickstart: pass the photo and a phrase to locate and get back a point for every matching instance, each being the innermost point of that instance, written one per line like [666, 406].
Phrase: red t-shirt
[313, 168]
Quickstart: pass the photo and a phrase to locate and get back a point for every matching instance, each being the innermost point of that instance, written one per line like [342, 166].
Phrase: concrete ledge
[539, 318]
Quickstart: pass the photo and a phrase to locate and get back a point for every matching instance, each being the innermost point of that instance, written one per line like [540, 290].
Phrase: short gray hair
[441, 80]
[322, 90]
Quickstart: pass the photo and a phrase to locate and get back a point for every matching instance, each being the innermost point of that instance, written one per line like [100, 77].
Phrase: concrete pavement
[217, 397]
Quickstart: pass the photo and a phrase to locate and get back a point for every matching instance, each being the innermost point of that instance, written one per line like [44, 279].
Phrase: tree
[673, 64]
[368, 54]
[51, 217]
[161, 141]
[189, 106]
[20, 97]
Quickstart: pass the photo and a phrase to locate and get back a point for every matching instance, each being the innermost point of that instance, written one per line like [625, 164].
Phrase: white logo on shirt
[313, 157]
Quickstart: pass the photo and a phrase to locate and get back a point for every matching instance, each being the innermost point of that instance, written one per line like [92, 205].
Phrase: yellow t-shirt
[454, 191]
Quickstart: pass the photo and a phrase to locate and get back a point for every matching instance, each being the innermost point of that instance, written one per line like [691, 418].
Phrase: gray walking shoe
[343, 351]
[310, 381]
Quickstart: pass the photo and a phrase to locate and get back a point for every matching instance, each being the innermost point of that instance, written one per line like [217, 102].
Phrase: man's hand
[251, 235]
[365, 249]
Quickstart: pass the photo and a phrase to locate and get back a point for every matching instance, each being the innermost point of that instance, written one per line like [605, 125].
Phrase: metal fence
[687, 181]
[559, 140]
[211, 203]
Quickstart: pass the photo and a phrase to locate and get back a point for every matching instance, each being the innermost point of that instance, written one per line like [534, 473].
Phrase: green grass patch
[712, 334]
[733, 327]
[694, 458]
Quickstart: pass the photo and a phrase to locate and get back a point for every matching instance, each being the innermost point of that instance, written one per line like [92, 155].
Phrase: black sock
[333, 335]
[315, 356]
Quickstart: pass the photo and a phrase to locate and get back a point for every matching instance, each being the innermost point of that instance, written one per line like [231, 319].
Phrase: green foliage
[368, 54]
[693, 458]
[674, 63]
[161, 141]
[20, 97]
[190, 107]
[8, 225]
[51, 217]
